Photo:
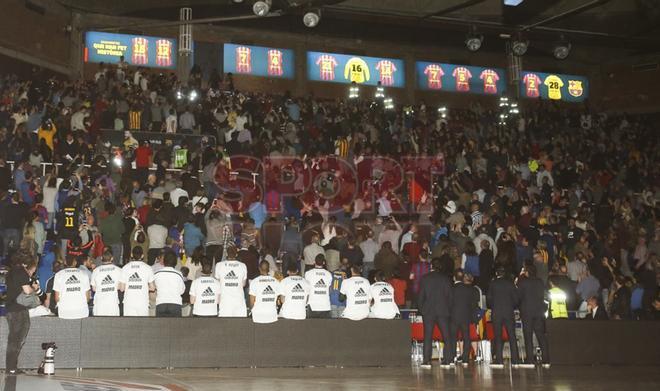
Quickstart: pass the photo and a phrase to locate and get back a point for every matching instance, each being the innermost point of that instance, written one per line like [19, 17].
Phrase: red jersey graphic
[140, 51]
[275, 63]
[386, 68]
[490, 78]
[327, 64]
[164, 53]
[434, 75]
[463, 77]
[532, 82]
[243, 59]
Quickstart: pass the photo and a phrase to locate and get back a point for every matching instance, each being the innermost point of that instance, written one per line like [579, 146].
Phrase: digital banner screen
[138, 50]
[343, 68]
[554, 86]
[460, 78]
[259, 61]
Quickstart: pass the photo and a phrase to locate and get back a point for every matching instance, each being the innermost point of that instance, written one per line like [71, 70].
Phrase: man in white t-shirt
[232, 275]
[311, 251]
[137, 279]
[357, 291]
[319, 279]
[205, 292]
[171, 122]
[71, 286]
[382, 294]
[294, 292]
[170, 285]
[105, 284]
[264, 291]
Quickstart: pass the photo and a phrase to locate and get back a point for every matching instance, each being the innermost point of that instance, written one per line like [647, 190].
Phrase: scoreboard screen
[554, 86]
[259, 61]
[343, 68]
[434, 76]
[138, 50]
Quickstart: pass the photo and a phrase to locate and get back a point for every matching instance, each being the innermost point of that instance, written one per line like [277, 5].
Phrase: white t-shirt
[295, 291]
[170, 123]
[105, 281]
[358, 297]
[384, 306]
[206, 291]
[319, 296]
[265, 290]
[136, 276]
[72, 285]
[169, 286]
[232, 276]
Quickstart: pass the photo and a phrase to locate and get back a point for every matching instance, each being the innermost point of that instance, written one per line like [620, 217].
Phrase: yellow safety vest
[558, 304]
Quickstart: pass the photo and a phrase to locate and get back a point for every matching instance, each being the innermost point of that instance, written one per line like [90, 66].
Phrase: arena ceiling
[630, 24]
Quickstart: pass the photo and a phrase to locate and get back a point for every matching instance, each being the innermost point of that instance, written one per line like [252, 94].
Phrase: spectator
[169, 285]
[264, 291]
[71, 287]
[294, 293]
[105, 284]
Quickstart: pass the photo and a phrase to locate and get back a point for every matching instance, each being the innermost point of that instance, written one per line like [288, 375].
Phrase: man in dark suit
[596, 311]
[531, 291]
[502, 299]
[463, 309]
[434, 300]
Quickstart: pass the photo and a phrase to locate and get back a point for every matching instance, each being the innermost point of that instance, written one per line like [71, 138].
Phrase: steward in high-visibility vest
[557, 302]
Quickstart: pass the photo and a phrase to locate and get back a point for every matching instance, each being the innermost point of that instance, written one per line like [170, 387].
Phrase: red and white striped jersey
[434, 75]
[275, 66]
[163, 53]
[462, 76]
[386, 69]
[243, 59]
[140, 52]
[327, 65]
[490, 78]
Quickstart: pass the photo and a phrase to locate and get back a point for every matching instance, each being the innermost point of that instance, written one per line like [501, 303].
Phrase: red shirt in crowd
[143, 156]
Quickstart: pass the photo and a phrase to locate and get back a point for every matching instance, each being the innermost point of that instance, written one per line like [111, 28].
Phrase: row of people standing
[452, 306]
[221, 290]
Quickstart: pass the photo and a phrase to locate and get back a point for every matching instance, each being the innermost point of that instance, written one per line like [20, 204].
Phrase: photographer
[20, 280]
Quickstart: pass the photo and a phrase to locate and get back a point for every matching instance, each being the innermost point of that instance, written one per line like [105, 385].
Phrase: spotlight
[262, 7]
[442, 111]
[118, 160]
[237, 1]
[474, 40]
[353, 91]
[389, 104]
[312, 18]
[519, 45]
[179, 95]
[193, 95]
[562, 49]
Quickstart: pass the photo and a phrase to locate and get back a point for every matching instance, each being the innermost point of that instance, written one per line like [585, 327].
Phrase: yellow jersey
[356, 70]
[554, 84]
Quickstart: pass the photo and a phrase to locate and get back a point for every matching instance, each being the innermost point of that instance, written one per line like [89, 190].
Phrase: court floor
[381, 379]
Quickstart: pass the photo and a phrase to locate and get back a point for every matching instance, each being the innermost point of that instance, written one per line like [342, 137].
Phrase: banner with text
[138, 50]
[342, 68]
[554, 86]
[460, 78]
[259, 61]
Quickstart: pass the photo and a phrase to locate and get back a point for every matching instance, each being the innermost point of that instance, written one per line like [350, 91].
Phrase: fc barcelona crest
[575, 88]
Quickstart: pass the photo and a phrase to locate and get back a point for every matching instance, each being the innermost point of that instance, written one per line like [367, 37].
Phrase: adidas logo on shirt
[269, 291]
[231, 275]
[320, 284]
[135, 277]
[298, 289]
[208, 292]
[72, 280]
[384, 291]
[107, 280]
[360, 293]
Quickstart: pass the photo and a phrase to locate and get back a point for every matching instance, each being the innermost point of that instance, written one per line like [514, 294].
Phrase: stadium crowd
[317, 207]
